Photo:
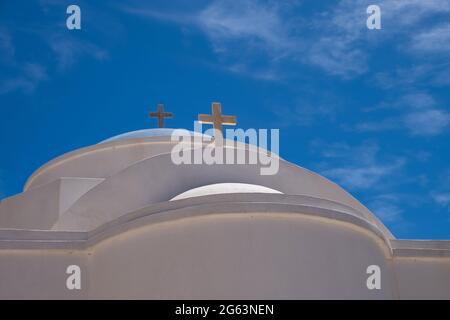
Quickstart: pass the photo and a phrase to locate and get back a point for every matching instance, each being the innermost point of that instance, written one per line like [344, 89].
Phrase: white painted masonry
[138, 226]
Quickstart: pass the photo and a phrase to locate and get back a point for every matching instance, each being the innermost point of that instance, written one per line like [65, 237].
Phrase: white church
[119, 220]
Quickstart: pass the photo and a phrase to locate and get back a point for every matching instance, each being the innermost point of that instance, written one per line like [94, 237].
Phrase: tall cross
[160, 114]
[217, 119]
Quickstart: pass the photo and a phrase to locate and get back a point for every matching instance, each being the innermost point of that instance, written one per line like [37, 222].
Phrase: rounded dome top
[221, 188]
[85, 162]
[138, 169]
[144, 133]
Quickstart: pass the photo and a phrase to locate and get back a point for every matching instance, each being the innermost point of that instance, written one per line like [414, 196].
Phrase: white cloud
[335, 40]
[442, 199]
[435, 40]
[407, 13]
[238, 32]
[35, 71]
[172, 17]
[375, 126]
[28, 78]
[68, 51]
[419, 115]
[261, 74]
[363, 177]
[428, 122]
[303, 113]
[25, 75]
[258, 23]
[255, 27]
[342, 43]
[403, 77]
[356, 167]
[338, 57]
[406, 102]
[7, 50]
[419, 123]
[399, 16]
[364, 154]
[13, 76]
[386, 211]
[390, 208]
[416, 100]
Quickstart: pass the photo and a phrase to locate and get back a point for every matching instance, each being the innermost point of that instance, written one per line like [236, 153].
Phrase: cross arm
[205, 118]
[229, 120]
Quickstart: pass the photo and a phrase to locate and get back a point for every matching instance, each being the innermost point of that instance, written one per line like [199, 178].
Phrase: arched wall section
[239, 256]
[158, 179]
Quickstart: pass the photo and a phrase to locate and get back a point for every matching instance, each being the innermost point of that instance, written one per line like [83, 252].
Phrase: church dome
[145, 133]
[136, 170]
[109, 156]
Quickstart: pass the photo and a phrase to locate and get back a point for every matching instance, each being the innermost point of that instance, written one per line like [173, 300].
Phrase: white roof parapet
[238, 203]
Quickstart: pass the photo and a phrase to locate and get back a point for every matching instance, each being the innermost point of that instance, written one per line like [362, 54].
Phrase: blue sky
[368, 109]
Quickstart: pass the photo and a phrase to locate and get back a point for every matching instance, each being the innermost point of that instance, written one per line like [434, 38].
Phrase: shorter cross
[217, 119]
[160, 114]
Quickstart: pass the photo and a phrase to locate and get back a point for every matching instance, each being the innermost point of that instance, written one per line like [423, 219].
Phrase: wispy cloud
[303, 113]
[335, 39]
[250, 37]
[251, 20]
[258, 73]
[7, 50]
[356, 167]
[23, 76]
[415, 100]
[404, 77]
[428, 122]
[338, 57]
[434, 41]
[367, 169]
[418, 113]
[419, 123]
[256, 22]
[30, 76]
[391, 209]
[68, 50]
[376, 126]
[362, 177]
[346, 43]
[442, 199]
[386, 209]
[441, 193]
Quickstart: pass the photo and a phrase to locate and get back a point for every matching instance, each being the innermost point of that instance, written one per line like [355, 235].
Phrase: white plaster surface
[141, 227]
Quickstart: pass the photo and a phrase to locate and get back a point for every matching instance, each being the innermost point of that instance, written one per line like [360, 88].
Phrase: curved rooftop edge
[147, 133]
[287, 179]
[119, 141]
[237, 204]
[128, 139]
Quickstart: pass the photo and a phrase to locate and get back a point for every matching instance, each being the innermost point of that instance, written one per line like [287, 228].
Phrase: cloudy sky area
[369, 109]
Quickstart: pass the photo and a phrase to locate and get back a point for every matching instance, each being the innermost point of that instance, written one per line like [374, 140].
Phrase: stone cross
[216, 118]
[160, 114]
